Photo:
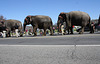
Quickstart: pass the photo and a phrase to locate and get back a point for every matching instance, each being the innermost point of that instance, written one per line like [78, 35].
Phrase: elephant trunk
[59, 27]
[24, 26]
[89, 24]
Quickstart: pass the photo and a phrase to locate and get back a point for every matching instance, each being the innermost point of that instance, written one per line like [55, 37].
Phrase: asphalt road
[75, 39]
[58, 49]
[49, 54]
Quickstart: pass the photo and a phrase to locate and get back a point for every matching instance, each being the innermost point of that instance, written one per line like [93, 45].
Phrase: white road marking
[49, 45]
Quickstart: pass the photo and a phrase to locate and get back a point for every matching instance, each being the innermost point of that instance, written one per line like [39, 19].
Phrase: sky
[19, 9]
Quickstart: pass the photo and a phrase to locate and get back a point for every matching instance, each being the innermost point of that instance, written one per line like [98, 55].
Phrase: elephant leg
[9, 34]
[64, 31]
[68, 30]
[44, 32]
[71, 29]
[34, 31]
[82, 30]
[51, 30]
[21, 33]
[58, 27]
[58, 30]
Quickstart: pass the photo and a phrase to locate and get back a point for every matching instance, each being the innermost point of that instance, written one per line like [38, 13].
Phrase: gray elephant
[74, 18]
[39, 21]
[2, 26]
[10, 25]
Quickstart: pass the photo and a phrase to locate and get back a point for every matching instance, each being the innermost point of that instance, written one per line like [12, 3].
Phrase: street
[72, 39]
[57, 49]
[49, 54]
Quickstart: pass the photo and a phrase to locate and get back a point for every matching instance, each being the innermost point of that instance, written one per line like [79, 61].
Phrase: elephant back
[44, 18]
[79, 14]
[10, 24]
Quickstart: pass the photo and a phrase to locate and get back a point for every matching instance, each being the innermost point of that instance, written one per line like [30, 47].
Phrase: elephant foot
[8, 36]
[64, 33]
[91, 32]
[21, 35]
[51, 34]
[80, 32]
[67, 33]
[71, 33]
[35, 35]
[44, 34]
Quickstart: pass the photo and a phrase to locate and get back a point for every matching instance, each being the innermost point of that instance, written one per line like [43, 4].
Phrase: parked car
[86, 29]
[97, 28]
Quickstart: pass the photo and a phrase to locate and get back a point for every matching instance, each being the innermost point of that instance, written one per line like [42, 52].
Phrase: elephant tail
[89, 20]
[89, 23]
[51, 22]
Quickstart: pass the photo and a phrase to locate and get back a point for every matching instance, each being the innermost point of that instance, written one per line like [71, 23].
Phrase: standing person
[47, 32]
[16, 31]
[53, 29]
[0, 34]
[92, 28]
[4, 34]
[41, 32]
[62, 29]
[3, 31]
[73, 28]
[26, 32]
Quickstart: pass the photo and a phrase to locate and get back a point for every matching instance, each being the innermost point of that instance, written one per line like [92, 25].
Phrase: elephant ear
[28, 19]
[63, 16]
[68, 21]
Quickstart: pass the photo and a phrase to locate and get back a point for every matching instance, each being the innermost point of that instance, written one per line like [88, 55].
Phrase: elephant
[2, 27]
[74, 18]
[10, 25]
[60, 23]
[39, 21]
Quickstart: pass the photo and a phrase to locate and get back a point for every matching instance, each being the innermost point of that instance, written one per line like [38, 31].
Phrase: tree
[2, 17]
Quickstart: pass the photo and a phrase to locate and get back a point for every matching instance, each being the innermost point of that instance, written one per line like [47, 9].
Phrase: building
[29, 28]
[95, 21]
